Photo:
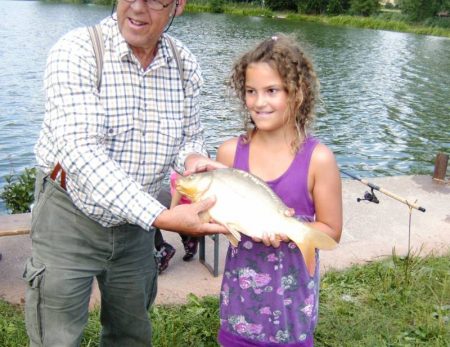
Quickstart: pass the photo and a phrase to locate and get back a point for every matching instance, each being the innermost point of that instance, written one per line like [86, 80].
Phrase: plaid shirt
[118, 144]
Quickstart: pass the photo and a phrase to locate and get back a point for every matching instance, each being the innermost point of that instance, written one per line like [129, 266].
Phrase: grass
[386, 20]
[378, 23]
[395, 302]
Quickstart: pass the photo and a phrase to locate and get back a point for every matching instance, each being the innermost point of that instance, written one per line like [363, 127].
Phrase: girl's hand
[275, 240]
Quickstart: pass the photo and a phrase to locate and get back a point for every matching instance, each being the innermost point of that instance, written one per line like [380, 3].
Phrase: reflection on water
[385, 95]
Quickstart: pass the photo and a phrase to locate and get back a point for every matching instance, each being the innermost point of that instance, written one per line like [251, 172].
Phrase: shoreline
[360, 22]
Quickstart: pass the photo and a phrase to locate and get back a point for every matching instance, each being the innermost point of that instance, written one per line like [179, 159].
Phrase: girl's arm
[324, 183]
[227, 151]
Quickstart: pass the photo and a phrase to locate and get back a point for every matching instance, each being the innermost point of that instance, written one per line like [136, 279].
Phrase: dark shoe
[166, 253]
[190, 248]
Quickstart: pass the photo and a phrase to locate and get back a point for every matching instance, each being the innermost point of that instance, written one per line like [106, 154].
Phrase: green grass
[385, 20]
[379, 23]
[243, 9]
[396, 302]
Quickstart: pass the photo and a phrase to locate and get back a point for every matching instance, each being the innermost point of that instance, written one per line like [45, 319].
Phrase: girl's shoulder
[322, 158]
[227, 151]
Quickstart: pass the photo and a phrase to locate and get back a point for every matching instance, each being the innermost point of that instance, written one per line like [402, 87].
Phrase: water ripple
[385, 96]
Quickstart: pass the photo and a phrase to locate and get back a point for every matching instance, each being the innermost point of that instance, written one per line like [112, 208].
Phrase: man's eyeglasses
[156, 5]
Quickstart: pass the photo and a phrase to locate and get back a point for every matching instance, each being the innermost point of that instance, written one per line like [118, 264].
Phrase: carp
[246, 204]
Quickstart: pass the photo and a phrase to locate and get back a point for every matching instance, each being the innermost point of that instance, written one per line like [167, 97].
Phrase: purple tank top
[268, 297]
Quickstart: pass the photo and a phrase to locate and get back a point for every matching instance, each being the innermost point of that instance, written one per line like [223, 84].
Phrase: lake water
[385, 95]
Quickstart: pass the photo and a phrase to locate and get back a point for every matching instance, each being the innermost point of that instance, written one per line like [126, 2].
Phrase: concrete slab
[371, 231]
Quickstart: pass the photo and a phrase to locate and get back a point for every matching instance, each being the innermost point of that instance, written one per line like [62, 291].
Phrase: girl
[268, 297]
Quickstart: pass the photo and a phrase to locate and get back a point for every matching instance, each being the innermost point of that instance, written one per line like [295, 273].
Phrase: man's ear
[180, 7]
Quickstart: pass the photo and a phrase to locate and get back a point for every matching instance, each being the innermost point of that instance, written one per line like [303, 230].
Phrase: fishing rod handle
[399, 198]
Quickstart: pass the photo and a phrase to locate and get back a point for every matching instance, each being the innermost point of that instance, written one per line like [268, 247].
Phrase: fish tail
[307, 241]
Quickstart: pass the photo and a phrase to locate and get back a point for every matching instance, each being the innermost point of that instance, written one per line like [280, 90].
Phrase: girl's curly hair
[284, 55]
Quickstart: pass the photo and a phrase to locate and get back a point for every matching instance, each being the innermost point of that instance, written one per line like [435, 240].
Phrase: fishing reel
[371, 197]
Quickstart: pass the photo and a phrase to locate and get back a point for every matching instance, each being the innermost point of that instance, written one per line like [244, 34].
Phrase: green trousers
[68, 250]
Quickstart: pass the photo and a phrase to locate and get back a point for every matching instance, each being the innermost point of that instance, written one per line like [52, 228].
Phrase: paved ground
[371, 231]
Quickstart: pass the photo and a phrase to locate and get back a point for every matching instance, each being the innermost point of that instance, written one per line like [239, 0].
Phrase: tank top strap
[241, 156]
[303, 158]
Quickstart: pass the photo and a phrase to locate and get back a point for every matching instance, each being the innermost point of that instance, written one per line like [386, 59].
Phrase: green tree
[334, 7]
[316, 6]
[281, 5]
[364, 7]
[418, 10]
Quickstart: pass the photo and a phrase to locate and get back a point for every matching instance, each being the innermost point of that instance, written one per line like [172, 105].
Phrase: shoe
[190, 248]
[166, 253]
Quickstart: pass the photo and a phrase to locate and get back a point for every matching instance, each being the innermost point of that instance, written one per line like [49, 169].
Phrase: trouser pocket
[34, 278]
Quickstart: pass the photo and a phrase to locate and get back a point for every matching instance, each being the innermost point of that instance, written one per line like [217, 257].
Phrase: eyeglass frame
[147, 2]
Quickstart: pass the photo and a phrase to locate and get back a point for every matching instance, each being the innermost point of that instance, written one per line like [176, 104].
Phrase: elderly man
[102, 154]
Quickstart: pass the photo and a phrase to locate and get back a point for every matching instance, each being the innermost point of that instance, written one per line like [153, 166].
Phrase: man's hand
[199, 163]
[185, 220]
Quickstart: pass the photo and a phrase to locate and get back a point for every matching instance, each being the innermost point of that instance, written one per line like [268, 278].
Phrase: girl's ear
[180, 4]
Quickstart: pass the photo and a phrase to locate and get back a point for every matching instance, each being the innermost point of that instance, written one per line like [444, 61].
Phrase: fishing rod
[371, 197]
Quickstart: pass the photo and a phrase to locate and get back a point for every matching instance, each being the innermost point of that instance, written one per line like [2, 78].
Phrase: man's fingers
[206, 204]
[214, 228]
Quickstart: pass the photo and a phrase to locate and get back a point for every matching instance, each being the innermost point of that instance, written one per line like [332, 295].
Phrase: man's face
[142, 26]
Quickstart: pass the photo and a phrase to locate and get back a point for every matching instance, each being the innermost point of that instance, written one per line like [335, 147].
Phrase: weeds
[401, 301]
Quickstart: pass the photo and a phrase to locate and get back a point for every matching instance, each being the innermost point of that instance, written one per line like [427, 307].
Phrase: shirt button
[111, 130]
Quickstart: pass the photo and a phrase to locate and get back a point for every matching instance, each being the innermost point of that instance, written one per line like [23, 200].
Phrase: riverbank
[384, 21]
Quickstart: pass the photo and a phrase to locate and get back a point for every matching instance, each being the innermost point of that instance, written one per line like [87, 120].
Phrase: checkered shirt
[117, 145]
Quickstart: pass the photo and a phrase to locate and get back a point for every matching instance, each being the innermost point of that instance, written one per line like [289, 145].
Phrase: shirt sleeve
[77, 118]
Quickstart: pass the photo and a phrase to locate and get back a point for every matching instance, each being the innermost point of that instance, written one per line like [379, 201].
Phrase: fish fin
[235, 235]
[204, 216]
[312, 239]
[309, 256]
[234, 242]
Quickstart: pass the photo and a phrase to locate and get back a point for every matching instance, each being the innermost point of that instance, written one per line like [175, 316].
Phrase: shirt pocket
[169, 138]
[117, 126]
[118, 135]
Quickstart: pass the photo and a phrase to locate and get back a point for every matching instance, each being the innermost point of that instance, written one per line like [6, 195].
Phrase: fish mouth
[183, 190]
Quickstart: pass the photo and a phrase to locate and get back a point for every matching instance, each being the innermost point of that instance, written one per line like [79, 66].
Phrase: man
[114, 144]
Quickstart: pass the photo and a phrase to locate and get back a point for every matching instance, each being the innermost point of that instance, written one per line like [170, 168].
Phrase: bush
[217, 6]
[364, 7]
[282, 5]
[18, 193]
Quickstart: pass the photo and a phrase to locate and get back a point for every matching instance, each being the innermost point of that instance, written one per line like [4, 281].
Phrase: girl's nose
[260, 100]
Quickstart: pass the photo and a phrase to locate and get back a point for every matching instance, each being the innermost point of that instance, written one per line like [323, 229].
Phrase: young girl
[268, 297]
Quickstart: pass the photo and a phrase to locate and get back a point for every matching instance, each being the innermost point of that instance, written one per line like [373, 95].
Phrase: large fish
[246, 204]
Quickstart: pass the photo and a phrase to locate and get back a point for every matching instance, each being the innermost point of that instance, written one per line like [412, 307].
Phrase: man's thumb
[206, 204]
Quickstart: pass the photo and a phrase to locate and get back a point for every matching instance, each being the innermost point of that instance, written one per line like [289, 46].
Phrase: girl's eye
[249, 91]
[272, 90]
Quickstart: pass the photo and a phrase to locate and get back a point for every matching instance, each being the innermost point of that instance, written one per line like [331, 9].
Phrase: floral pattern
[268, 298]
[267, 295]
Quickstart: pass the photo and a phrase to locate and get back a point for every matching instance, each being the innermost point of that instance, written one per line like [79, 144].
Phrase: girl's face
[265, 97]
